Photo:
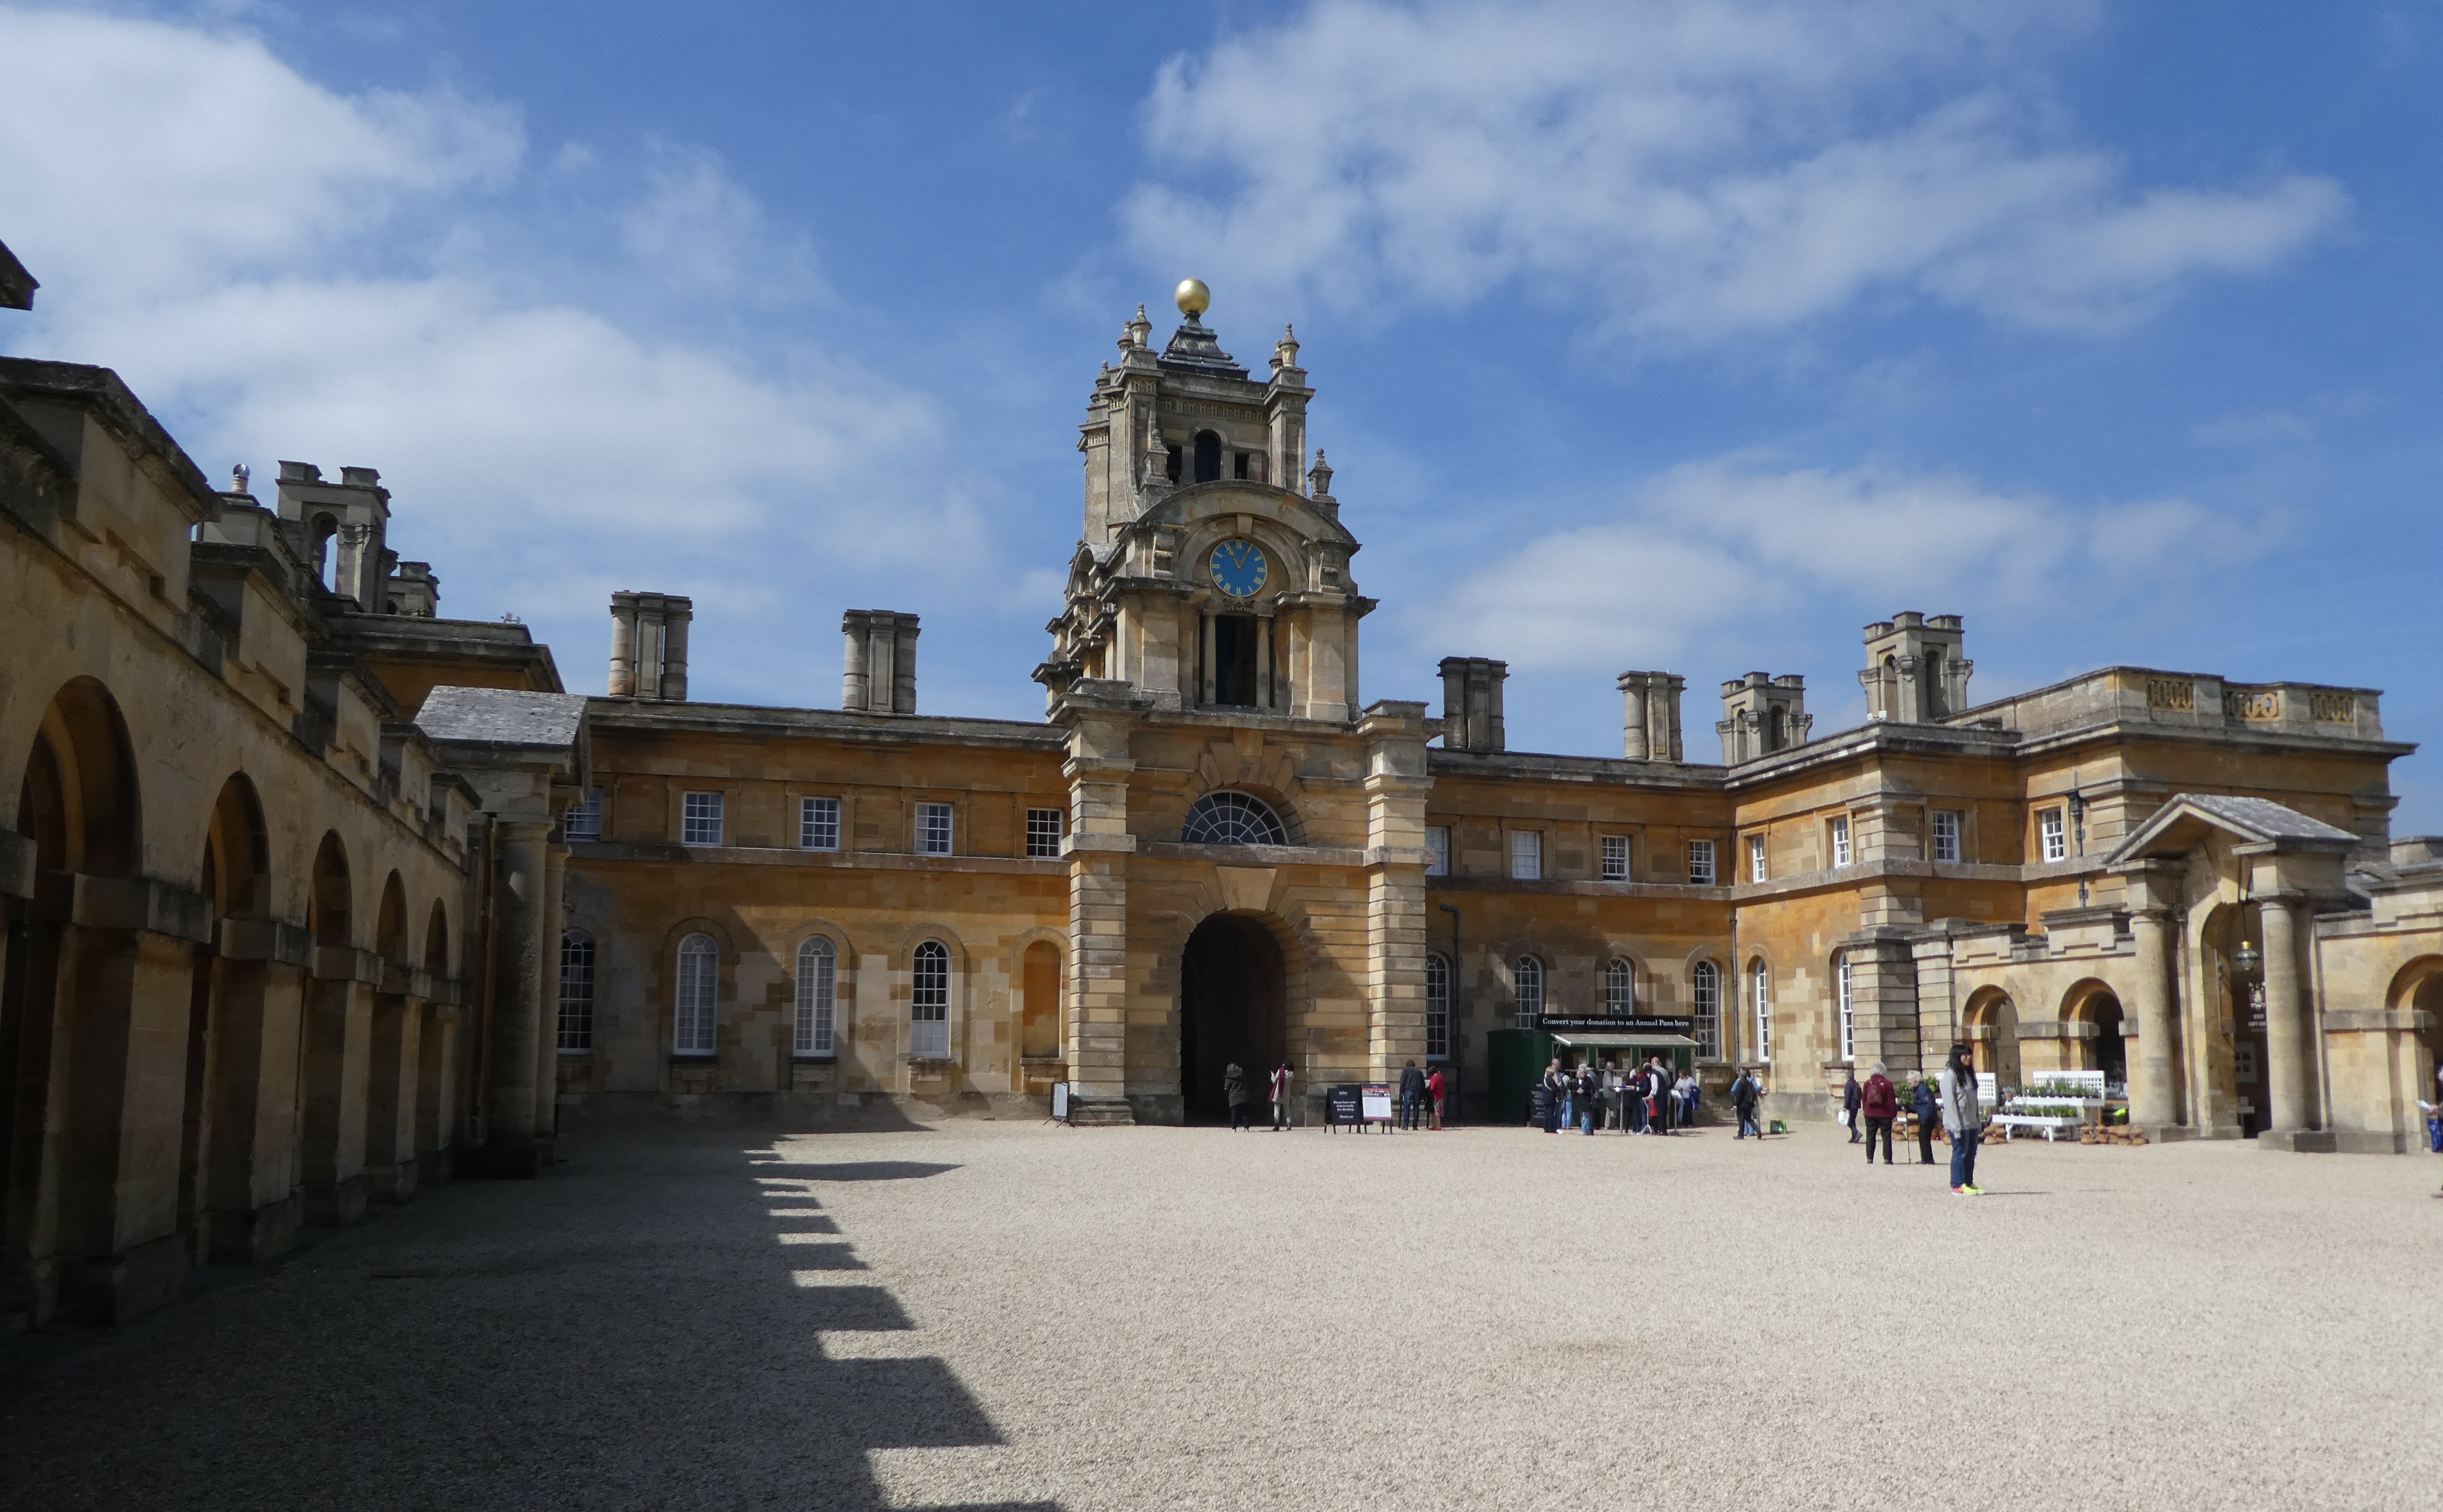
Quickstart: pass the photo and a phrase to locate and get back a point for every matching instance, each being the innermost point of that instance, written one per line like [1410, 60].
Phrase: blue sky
[1687, 336]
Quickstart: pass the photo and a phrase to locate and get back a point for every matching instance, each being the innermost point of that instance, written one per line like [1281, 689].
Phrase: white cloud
[386, 279]
[1723, 547]
[1694, 169]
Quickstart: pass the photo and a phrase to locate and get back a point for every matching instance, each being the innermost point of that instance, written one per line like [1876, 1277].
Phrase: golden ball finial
[1194, 298]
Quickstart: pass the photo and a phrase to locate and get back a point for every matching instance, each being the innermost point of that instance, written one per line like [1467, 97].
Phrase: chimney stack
[1472, 704]
[649, 645]
[878, 664]
[1649, 716]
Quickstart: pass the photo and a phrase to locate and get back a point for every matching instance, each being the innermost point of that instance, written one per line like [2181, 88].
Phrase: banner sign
[1622, 1023]
[1060, 1099]
[1377, 1103]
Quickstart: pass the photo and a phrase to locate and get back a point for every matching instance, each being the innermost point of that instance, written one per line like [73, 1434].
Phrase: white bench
[2051, 1124]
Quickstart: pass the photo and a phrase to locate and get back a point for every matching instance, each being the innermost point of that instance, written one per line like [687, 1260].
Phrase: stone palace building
[312, 894]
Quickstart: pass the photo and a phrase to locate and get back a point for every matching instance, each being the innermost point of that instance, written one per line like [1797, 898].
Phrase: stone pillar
[251, 1201]
[390, 1116]
[339, 1070]
[678, 613]
[2154, 1090]
[1632, 718]
[1205, 657]
[436, 1085]
[1264, 662]
[1098, 770]
[2290, 1070]
[509, 1101]
[854, 694]
[1882, 1000]
[1396, 788]
[555, 873]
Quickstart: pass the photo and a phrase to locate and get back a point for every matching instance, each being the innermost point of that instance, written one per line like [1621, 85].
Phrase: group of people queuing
[1643, 1098]
[1421, 1097]
[1949, 1098]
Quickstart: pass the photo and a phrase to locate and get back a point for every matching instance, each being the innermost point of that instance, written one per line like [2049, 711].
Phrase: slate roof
[2256, 820]
[503, 716]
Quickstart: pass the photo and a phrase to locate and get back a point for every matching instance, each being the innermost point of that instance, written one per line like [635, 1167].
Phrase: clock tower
[1213, 574]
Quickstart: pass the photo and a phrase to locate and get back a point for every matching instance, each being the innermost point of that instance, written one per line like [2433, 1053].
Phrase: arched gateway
[1233, 1008]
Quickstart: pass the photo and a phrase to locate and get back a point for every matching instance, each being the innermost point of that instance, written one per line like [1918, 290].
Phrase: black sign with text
[1623, 1024]
[1341, 1104]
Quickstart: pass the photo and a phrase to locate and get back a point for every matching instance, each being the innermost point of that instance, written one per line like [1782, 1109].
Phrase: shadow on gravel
[643, 1327]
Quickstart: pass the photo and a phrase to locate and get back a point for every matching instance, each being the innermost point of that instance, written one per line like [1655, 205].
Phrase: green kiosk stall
[1515, 1058]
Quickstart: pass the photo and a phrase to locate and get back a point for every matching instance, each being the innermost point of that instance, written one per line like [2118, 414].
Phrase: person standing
[1556, 1086]
[1234, 1087]
[1850, 1098]
[1412, 1096]
[1434, 1087]
[1280, 1091]
[1688, 1099]
[1658, 1092]
[1963, 1119]
[1743, 1102]
[1881, 1102]
[1928, 1109]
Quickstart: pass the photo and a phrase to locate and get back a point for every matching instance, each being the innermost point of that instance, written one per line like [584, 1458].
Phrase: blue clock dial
[1240, 568]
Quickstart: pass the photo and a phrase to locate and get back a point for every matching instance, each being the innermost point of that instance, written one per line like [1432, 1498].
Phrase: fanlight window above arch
[1233, 819]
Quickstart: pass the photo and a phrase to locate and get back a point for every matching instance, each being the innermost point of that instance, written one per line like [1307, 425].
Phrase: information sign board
[1340, 1104]
[1377, 1105]
[1061, 1101]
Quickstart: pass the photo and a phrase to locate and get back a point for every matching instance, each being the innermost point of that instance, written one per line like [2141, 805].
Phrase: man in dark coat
[1851, 1095]
[1412, 1096]
[1234, 1086]
[1743, 1098]
[1928, 1109]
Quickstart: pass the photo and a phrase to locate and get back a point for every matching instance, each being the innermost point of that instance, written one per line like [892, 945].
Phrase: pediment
[2179, 825]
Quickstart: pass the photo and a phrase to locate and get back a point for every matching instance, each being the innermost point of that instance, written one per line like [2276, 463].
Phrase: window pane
[1620, 988]
[585, 820]
[1526, 854]
[1043, 831]
[1437, 1004]
[1233, 819]
[1530, 979]
[1438, 850]
[576, 991]
[1615, 858]
[818, 824]
[933, 828]
[699, 979]
[1700, 862]
[1705, 996]
[1849, 1015]
[1763, 997]
[700, 819]
[1756, 858]
[1946, 836]
[928, 1002]
[818, 979]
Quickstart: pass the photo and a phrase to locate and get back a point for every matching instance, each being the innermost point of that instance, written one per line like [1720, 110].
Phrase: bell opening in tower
[1235, 643]
[1208, 457]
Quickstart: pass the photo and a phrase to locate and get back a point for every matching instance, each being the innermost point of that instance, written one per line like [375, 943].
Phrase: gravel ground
[999, 1314]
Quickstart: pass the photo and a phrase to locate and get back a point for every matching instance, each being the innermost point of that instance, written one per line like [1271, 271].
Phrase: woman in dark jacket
[1881, 1102]
[1234, 1086]
[1928, 1109]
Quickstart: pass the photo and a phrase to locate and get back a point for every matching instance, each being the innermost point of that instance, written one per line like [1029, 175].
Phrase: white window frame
[1946, 834]
[1760, 868]
[818, 824]
[1438, 850]
[2052, 833]
[928, 1002]
[585, 820]
[703, 818]
[695, 998]
[1760, 989]
[936, 830]
[1615, 858]
[1527, 855]
[1437, 1005]
[1700, 863]
[1705, 1008]
[1042, 838]
[575, 1027]
[1840, 851]
[1527, 986]
[818, 1021]
[1619, 986]
[1848, 1013]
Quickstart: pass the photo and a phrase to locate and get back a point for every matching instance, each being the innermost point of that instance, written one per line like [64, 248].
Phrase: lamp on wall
[2246, 961]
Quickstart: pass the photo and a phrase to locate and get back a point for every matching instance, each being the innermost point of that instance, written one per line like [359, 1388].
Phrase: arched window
[1233, 819]
[699, 979]
[1620, 986]
[1705, 1004]
[928, 1003]
[1438, 1006]
[1848, 1014]
[576, 992]
[1762, 990]
[1208, 457]
[818, 973]
[1529, 980]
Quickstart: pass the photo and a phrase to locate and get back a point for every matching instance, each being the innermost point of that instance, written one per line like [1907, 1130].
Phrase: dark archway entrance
[1231, 1009]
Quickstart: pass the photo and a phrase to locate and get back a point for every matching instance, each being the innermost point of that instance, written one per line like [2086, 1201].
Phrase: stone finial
[238, 476]
[1285, 351]
[1137, 333]
[1318, 478]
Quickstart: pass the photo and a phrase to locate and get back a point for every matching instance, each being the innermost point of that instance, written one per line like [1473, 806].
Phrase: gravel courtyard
[1000, 1314]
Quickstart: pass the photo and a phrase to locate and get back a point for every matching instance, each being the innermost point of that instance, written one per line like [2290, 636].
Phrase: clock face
[1240, 568]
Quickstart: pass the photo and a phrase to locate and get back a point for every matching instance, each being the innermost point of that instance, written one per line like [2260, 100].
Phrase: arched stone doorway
[1992, 1023]
[1232, 1009]
[2092, 1003]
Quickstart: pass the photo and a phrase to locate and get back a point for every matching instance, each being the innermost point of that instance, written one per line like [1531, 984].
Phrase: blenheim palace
[314, 896]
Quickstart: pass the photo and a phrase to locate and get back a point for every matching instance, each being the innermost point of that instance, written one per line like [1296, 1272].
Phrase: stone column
[623, 645]
[390, 1107]
[1098, 770]
[509, 1101]
[251, 1181]
[2154, 1092]
[555, 873]
[2288, 1070]
[1633, 741]
[338, 1078]
[1396, 787]
[1204, 639]
[1264, 662]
